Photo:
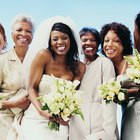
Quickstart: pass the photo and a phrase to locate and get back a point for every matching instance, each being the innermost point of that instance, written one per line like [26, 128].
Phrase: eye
[64, 38]
[54, 39]
[117, 40]
[29, 31]
[93, 40]
[106, 40]
[83, 39]
[19, 30]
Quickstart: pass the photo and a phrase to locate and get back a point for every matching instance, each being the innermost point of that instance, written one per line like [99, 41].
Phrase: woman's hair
[137, 36]
[2, 31]
[122, 32]
[72, 55]
[93, 31]
[24, 18]
[137, 21]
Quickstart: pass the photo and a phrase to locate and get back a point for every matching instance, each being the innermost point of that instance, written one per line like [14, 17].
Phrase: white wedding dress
[34, 126]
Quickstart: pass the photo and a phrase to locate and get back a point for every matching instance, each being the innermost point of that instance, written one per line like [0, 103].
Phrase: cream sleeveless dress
[34, 126]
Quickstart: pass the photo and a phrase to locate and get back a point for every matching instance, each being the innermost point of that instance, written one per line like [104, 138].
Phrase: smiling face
[89, 45]
[22, 34]
[60, 42]
[112, 45]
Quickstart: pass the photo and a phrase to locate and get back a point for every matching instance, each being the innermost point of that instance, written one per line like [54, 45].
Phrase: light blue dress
[130, 128]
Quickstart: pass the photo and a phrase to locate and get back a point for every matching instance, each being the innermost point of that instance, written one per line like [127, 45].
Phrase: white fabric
[12, 87]
[42, 36]
[34, 126]
[100, 119]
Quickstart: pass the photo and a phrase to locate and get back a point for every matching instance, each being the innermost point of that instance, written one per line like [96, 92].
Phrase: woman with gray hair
[12, 82]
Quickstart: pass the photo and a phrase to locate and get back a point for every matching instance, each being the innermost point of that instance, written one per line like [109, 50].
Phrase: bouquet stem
[53, 126]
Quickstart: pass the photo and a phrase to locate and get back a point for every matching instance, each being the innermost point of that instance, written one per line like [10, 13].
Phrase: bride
[54, 51]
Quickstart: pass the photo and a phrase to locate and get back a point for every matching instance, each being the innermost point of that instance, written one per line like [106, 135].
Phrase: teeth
[89, 49]
[110, 51]
[61, 48]
[23, 39]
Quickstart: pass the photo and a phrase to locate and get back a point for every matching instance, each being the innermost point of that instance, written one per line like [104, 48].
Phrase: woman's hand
[59, 120]
[128, 84]
[23, 103]
[46, 114]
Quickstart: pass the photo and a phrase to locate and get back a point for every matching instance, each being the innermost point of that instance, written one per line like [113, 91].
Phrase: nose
[88, 42]
[110, 42]
[60, 41]
[23, 32]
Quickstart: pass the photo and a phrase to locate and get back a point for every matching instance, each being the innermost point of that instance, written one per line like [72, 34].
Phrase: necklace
[88, 62]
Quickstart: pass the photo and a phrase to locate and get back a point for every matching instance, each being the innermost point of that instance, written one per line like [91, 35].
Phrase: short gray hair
[24, 18]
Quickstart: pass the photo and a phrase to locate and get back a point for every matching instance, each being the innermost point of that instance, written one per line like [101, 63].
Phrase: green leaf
[45, 107]
[53, 126]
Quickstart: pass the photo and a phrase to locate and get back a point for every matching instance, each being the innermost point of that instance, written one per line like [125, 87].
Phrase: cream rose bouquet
[112, 91]
[63, 100]
[133, 72]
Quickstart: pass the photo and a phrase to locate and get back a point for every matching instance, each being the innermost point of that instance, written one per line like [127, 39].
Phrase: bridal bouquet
[112, 91]
[133, 72]
[63, 100]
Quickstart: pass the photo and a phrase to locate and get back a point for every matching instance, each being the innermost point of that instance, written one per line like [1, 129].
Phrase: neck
[88, 60]
[60, 60]
[119, 65]
[21, 52]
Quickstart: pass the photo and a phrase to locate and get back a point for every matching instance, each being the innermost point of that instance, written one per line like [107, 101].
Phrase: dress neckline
[123, 71]
[51, 76]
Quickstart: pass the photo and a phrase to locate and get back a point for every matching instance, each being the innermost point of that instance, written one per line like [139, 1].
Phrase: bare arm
[82, 69]
[36, 72]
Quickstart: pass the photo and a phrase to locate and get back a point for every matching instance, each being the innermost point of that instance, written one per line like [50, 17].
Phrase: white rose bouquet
[63, 100]
[112, 91]
[133, 72]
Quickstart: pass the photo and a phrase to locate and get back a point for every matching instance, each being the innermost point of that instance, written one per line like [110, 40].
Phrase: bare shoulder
[43, 55]
[81, 67]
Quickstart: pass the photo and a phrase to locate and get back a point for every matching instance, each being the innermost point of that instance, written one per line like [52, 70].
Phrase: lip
[88, 48]
[61, 48]
[110, 51]
[22, 39]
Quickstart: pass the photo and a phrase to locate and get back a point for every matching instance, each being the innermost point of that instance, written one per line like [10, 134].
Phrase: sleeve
[109, 110]
[109, 126]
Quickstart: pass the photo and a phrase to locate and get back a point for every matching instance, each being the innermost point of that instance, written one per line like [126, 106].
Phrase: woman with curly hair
[117, 43]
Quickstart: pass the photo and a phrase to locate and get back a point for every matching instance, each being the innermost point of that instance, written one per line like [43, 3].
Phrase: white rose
[121, 96]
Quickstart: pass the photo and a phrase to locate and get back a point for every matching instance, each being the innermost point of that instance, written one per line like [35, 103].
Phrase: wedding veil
[41, 39]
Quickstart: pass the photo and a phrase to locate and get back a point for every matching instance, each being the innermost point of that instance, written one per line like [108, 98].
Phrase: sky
[93, 13]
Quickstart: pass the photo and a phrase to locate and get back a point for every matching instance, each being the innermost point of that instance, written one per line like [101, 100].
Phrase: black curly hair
[122, 32]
